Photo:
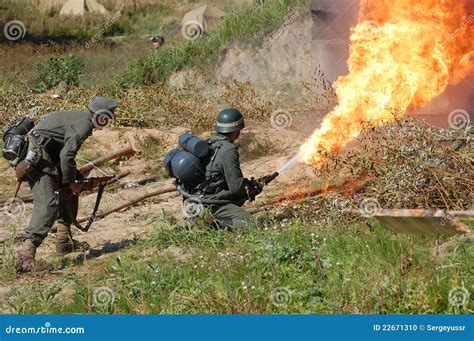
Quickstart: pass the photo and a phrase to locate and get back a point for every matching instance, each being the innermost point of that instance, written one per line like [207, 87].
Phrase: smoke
[332, 21]
[293, 161]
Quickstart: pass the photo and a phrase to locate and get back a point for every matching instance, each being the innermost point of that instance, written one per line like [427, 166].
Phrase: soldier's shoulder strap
[216, 141]
[215, 144]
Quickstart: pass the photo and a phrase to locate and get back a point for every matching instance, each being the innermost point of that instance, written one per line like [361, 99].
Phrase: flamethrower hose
[187, 195]
[263, 182]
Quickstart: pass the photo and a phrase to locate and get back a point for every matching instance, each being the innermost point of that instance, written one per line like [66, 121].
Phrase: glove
[22, 170]
[77, 187]
[80, 186]
[255, 188]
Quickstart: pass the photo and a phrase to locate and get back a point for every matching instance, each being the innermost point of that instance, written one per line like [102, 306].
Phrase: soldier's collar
[223, 137]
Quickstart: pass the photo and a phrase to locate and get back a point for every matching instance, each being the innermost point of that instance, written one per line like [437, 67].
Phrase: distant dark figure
[158, 42]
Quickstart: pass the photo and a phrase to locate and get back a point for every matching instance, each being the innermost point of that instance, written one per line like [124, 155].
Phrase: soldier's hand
[22, 170]
[77, 187]
[255, 188]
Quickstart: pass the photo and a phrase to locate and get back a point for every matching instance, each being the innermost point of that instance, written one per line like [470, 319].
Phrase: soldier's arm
[73, 139]
[233, 174]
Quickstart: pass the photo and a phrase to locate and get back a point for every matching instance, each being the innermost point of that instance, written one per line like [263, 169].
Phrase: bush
[54, 70]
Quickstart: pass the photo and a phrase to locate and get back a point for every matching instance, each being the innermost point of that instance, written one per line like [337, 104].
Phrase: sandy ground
[118, 229]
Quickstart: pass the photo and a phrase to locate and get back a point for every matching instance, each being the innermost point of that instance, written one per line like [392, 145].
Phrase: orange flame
[403, 53]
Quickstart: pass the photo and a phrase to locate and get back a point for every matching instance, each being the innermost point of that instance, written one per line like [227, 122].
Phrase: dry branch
[348, 187]
[127, 151]
[131, 203]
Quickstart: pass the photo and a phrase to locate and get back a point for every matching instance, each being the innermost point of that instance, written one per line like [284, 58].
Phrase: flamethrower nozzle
[268, 178]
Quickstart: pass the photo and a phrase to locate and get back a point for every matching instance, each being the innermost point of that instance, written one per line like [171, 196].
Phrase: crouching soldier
[53, 178]
[222, 188]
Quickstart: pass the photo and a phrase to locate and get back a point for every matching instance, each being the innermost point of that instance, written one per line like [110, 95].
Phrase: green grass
[50, 26]
[301, 267]
[248, 22]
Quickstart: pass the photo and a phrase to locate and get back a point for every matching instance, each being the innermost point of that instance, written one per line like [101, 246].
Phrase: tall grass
[48, 26]
[246, 22]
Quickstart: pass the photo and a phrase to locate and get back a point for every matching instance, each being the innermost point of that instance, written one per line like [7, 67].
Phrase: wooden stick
[461, 213]
[131, 203]
[114, 155]
[17, 189]
[305, 196]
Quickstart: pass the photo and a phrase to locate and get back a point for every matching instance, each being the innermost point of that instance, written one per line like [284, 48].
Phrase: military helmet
[230, 120]
[158, 39]
[102, 103]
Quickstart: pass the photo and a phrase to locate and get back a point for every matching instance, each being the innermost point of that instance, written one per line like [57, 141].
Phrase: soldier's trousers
[48, 207]
[232, 217]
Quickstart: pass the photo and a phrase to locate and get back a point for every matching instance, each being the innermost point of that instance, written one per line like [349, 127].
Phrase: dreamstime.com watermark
[103, 30]
[280, 296]
[46, 329]
[193, 207]
[292, 17]
[468, 21]
[14, 208]
[14, 30]
[103, 118]
[281, 119]
[103, 296]
[458, 297]
[369, 207]
[192, 30]
[459, 119]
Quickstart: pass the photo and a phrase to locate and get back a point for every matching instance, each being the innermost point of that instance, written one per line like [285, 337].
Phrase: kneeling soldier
[57, 139]
[225, 181]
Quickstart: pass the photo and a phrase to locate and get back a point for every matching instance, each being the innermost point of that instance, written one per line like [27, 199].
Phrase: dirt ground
[123, 227]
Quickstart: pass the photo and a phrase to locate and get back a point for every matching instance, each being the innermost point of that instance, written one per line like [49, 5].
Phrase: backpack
[188, 163]
[15, 143]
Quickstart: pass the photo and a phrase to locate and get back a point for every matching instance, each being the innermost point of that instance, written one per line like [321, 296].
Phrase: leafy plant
[56, 69]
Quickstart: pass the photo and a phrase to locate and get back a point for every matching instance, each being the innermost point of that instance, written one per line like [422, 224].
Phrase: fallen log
[352, 187]
[420, 221]
[127, 151]
[130, 203]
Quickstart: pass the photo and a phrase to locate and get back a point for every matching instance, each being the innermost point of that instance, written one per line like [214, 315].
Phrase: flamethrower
[257, 185]
[87, 184]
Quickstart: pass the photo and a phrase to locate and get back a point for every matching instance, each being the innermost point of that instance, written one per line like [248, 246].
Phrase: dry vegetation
[323, 260]
[408, 164]
[152, 106]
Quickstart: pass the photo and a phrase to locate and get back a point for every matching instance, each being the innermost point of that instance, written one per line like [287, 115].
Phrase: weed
[54, 70]
[304, 267]
[8, 259]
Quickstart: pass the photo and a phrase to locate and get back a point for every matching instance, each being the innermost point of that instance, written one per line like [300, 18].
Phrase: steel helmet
[229, 120]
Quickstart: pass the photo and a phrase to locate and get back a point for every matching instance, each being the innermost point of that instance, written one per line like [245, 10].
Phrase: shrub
[54, 70]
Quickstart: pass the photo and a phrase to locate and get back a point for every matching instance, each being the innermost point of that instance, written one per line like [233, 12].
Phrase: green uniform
[58, 136]
[227, 183]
